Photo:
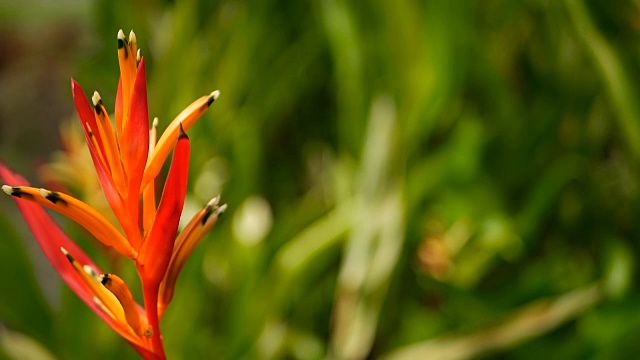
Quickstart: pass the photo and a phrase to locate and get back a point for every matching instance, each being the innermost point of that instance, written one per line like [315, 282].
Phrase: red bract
[127, 160]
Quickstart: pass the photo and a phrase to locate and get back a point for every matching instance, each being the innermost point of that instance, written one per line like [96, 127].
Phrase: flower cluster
[127, 157]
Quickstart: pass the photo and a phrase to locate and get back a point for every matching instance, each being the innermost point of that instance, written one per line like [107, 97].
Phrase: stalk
[150, 294]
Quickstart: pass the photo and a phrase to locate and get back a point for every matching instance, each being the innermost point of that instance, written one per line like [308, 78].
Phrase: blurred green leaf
[23, 307]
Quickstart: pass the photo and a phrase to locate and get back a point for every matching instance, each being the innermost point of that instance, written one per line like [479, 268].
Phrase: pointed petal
[119, 110]
[186, 242]
[78, 211]
[169, 137]
[131, 310]
[133, 47]
[155, 252]
[85, 112]
[51, 238]
[149, 192]
[127, 61]
[135, 142]
[107, 299]
[92, 137]
[88, 121]
[110, 144]
[157, 247]
[105, 304]
[114, 199]
[46, 232]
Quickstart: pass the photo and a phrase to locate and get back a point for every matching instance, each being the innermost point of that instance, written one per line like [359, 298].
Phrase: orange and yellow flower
[127, 158]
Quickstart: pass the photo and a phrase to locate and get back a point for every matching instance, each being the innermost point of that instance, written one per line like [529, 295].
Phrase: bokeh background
[405, 179]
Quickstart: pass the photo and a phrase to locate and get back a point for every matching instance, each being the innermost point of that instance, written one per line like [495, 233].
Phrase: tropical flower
[127, 159]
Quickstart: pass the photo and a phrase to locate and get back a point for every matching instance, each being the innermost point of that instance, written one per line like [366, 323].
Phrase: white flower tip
[43, 192]
[121, 35]
[96, 98]
[154, 124]
[7, 189]
[132, 37]
[90, 271]
[221, 209]
[67, 255]
[215, 95]
[214, 202]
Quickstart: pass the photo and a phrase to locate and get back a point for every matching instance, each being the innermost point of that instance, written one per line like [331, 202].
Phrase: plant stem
[150, 293]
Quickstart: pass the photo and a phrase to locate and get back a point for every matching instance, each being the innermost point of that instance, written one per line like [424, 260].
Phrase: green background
[405, 179]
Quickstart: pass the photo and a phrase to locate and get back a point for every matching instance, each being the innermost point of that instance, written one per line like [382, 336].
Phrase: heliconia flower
[127, 159]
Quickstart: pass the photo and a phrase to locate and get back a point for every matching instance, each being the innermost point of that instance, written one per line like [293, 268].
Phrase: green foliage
[25, 310]
[408, 179]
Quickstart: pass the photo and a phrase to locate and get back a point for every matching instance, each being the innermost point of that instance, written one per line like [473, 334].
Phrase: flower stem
[150, 293]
